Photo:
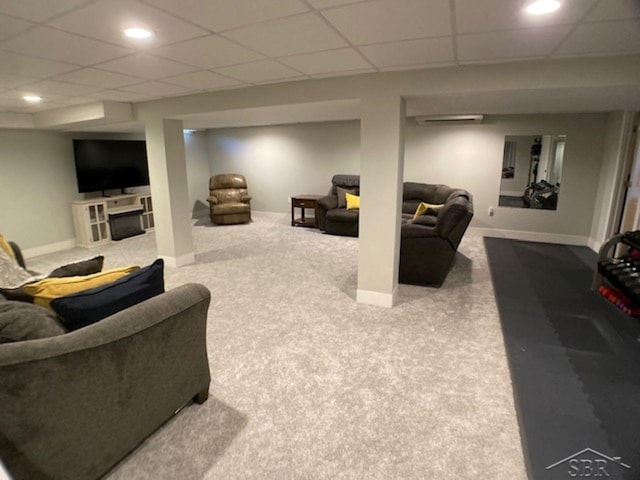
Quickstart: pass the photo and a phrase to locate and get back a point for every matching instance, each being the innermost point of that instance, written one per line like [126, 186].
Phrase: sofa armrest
[213, 200]
[245, 198]
[76, 404]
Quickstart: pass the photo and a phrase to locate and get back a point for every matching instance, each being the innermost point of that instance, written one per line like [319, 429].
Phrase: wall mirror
[532, 171]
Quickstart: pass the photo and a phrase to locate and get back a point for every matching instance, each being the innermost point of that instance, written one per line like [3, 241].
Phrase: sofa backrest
[414, 193]
[228, 188]
[349, 182]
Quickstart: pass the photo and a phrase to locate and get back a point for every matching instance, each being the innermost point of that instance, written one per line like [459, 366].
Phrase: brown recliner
[228, 199]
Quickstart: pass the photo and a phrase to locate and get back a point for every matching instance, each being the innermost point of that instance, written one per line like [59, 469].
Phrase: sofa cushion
[343, 215]
[83, 267]
[231, 208]
[426, 220]
[89, 306]
[341, 193]
[353, 201]
[23, 321]
[47, 289]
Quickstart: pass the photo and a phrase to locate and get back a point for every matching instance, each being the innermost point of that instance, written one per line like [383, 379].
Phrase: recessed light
[139, 33]
[32, 98]
[542, 7]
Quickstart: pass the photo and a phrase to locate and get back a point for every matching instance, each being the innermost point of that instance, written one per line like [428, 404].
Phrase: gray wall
[195, 145]
[37, 186]
[38, 182]
[284, 160]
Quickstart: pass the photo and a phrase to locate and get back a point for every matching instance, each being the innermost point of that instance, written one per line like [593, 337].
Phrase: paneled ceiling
[73, 51]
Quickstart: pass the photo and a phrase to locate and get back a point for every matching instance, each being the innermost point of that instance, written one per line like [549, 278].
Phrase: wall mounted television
[110, 164]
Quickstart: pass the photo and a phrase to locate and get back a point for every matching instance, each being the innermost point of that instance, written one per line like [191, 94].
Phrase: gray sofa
[75, 404]
[428, 244]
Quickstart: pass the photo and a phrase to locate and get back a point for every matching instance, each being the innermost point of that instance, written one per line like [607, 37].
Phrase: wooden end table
[303, 202]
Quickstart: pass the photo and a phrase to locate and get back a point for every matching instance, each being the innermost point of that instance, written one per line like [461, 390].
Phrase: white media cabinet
[91, 217]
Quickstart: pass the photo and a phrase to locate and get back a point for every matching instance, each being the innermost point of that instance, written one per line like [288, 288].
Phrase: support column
[170, 191]
[381, 173]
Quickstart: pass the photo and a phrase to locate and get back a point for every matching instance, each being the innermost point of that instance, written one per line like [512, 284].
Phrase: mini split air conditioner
[449, 119]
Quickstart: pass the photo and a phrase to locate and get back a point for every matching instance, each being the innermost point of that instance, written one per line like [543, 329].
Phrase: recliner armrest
[329, 202]
[213, 200]
[245, 198]
[414, 230]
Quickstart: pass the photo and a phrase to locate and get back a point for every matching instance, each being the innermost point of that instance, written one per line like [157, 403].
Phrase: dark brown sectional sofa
[428, 244]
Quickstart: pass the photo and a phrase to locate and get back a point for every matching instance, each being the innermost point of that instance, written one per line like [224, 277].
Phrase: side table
[303, 202]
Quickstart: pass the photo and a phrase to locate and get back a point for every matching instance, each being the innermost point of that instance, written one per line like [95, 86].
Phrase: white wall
[285, 160]
[195, 145]
[613, 169]
[37, 186]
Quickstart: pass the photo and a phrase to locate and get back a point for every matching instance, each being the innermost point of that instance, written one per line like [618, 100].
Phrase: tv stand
[91, 217]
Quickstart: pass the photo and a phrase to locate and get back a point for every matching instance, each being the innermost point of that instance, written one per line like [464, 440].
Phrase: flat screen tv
[110, 164]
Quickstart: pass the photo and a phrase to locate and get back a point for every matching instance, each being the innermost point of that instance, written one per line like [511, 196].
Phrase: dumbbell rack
[622, 272]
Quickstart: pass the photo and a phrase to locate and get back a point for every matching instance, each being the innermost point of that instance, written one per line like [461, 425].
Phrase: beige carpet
[307, 384]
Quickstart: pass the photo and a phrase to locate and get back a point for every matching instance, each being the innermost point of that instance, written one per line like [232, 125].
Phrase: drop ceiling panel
[518, 44]
[10, 26]
[288, 36]
[32, 67]
[475, 16]
[13, 99]
[120, 96]
[345, 59]
[605, 37]
[11, 81]
[98, 78]
[209, 52]
[146, 66]
[157, 89]
[203, 80]
[107, 19]
[38, 10]
[257, 72]
[320, 4]
[50, 87]
[615, 10]
[65, 47]
[219, 15]
[426, 51]
[391, 20]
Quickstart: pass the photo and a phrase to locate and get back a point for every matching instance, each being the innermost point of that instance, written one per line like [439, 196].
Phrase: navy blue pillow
[89, 306]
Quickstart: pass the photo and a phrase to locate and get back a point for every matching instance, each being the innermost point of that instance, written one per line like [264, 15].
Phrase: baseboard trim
[377, 298]
[532, 236]
[181, 261]
[594, 244]
[51, 248]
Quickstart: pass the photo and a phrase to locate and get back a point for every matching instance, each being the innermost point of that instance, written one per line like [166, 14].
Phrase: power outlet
[490, 212]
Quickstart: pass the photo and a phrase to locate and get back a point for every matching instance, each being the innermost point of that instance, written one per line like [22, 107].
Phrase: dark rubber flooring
[574, 361]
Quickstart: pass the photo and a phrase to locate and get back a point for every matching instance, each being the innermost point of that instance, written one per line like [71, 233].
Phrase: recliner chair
[229, 200]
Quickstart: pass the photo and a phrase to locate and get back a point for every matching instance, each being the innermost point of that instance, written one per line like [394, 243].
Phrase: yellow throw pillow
[49, 288]
[423, 207]
[4, 245]
[353, 202]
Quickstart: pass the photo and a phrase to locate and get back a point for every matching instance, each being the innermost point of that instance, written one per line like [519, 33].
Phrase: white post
[169, 191]
[381, 175]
